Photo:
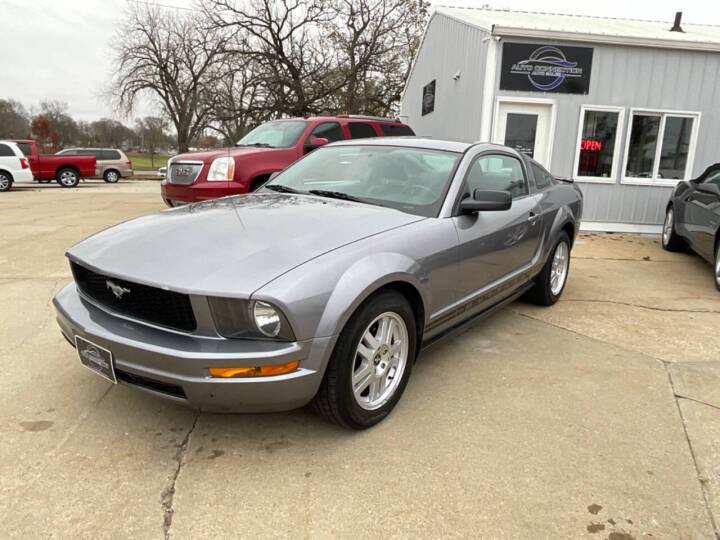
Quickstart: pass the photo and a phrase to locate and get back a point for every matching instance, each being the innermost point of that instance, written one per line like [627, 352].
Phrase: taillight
[24, 163]
[128, 164]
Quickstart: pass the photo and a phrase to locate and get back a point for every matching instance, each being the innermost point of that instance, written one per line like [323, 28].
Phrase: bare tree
[152, 130]
[240, 99]
[282, 38]
[61, 122]
[376, 41]
[14, 120]
[171, 57]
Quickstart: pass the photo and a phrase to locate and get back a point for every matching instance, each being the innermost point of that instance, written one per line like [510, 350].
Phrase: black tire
[335, 401]
[716, 266]
[111, 176]
[671, 240]
[257, 182]
[67, 177]
[542, 292]
[6, 181]
[44, 181]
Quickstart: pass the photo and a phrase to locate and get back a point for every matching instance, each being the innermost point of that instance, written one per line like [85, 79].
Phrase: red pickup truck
[65, 170]
[268, 148]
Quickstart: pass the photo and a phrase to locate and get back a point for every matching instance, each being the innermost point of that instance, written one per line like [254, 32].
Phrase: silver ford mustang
[323, 286]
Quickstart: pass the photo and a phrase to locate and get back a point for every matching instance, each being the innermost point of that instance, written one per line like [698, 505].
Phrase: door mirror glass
[273, 175]
[486, 201]
[315, 142]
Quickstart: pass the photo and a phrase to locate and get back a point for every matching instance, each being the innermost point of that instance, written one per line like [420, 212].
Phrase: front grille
[157, 306]
[183, 174]
[150, 384]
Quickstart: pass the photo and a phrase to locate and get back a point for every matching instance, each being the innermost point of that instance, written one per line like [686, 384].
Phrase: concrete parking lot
[598, 417]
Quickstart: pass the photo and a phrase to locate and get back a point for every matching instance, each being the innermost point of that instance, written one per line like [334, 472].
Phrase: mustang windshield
[413, 180]
[278, 134]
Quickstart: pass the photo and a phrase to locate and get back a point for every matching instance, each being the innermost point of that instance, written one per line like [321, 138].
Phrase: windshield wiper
[258, 144]
[336, 195]
[282, 189]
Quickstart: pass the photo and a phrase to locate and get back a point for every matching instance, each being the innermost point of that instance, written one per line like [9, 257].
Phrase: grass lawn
[141, 162]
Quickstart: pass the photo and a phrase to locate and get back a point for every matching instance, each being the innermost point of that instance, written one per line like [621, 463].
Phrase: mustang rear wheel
[671, 241]
[717, 266]
[371, 364]
[551, 280]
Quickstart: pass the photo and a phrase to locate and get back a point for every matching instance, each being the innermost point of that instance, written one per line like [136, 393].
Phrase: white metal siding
[640, 78]
[449, 47]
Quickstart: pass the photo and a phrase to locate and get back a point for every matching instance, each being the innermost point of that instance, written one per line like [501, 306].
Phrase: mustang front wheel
[371, 363]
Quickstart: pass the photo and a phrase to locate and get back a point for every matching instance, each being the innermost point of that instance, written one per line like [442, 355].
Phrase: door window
[6, 151]
[327, 130]
[520, 132]
[497, 173]
[360, 130]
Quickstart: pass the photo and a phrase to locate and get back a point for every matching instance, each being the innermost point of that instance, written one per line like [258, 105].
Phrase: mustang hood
[231, 246]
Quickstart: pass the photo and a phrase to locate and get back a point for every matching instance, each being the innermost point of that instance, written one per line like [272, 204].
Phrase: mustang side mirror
[709, 187]
[486, 201]
[315, 142]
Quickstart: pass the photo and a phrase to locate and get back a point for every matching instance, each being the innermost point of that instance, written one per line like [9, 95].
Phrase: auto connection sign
[545, 68]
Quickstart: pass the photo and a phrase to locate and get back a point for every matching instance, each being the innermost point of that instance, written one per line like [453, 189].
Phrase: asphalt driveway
[598, 417]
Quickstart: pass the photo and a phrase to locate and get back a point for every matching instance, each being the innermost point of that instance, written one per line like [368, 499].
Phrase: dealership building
[627, 108]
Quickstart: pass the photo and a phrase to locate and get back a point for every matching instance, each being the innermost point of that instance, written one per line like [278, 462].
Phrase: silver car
[325, 284]
[112, 163]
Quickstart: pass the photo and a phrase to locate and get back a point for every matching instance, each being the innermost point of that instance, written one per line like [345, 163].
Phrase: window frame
[323, 123]
[612, 179]
[663, 114]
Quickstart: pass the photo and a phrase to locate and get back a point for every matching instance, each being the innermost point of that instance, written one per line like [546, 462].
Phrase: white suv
[14, 166]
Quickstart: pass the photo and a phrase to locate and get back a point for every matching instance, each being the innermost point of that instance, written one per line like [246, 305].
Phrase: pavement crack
[641, 306]
[168, 494]
[701, 402]
[699, 476]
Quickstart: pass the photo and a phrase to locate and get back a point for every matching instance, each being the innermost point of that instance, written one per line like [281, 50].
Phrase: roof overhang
[606, 39]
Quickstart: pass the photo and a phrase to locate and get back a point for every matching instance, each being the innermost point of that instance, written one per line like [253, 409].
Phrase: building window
[660, 147]
[596, 154]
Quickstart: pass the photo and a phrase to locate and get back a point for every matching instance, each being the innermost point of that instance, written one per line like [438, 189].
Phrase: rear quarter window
[396, 130]
[361, 130]
[6, 151]
[25, 148]
[109, 155]
[542, 177]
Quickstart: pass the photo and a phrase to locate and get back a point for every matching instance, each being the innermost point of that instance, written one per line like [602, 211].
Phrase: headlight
[222, 169]
[243, 319]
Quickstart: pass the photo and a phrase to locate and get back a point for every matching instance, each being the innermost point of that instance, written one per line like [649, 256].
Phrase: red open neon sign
[591, 145]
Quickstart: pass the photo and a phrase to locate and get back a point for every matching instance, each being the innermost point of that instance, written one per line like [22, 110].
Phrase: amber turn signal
[254, 371]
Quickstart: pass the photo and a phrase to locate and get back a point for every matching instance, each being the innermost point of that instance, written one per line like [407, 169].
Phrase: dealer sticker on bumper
[97, 358]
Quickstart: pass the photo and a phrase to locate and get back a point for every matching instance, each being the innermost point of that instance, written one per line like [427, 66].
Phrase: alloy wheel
[717, 266]
[4, 182]
[380, 360]
[668, 227]
[111, 177]
[559, 270]
[68, 178]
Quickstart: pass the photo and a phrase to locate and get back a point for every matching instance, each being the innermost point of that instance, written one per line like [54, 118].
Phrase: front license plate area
[97, 358]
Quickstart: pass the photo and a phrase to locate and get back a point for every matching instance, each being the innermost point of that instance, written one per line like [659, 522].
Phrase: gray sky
[60, 49]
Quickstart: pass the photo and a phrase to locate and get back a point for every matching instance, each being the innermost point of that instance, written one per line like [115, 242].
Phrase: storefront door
[527, 127]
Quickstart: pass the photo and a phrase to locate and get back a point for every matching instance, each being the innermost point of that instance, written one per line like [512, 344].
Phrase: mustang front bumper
[176, 366]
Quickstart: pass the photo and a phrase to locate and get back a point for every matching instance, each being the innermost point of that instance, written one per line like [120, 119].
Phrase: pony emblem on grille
[116, 289]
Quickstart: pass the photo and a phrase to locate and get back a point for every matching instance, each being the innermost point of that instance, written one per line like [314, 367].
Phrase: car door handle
[532, 217]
